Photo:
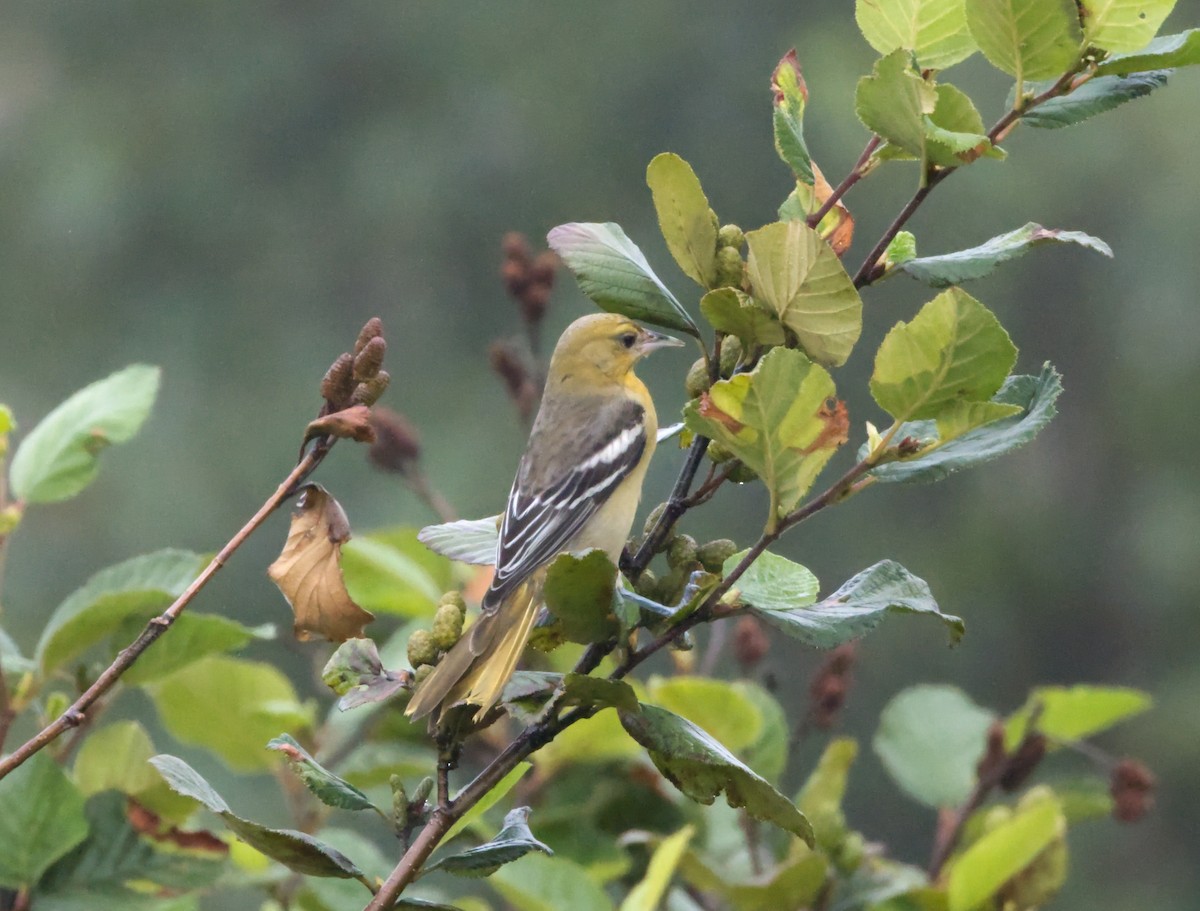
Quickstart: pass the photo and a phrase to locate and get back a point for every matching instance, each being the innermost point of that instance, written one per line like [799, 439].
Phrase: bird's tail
[476, 669]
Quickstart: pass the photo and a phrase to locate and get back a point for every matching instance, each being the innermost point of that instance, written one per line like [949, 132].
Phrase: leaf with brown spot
[836, 426]
[709, 409]
[353, 423]
[309, 571]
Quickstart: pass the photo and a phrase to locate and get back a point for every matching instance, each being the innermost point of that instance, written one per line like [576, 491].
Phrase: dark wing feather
[551, 501]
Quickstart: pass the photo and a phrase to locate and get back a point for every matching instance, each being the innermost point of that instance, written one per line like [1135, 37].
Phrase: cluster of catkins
[684, 557]
[426, 646]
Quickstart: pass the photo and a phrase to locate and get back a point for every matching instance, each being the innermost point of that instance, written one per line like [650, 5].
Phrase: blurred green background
[230, 189]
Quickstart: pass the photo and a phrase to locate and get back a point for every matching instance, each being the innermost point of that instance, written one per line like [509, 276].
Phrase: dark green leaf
[579, 593]
[700, 767]
[582, 689]
[356, 673]
[59, 457]
[613, 272]
[930, 739]
[297, 851]
[857, 607]
[325, 786]
[467, 540]
[1035, 395]
[1163, 53]
[512, 842]
[1096, 96]
[140, 587]
[41, 819]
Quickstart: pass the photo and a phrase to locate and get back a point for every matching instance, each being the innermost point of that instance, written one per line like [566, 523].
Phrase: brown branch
[76, 714]
[676, 506]
[856, 174]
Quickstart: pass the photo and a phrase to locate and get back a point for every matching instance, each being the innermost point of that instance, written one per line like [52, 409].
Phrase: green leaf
[599, 739]
[1120, 26]
[791, 98]
[736, 313]
[778, 420]
[934, 30]
[542, 884]
[579, 593]
[954, 350]
[796, 274]
[1028, 39]
[768, 754]
[774, 583]
[718, 707]
[41, 819]
[229, 706]
[930, 739]
[137, 588]
[894, 101]
[512, 842]
[793, 883]
[467, 540]
[59, 458]
[613, 272]
[1097, 96]
[472, 817]
[356, 673]
[15, 664]
[976, 262]
[1073, 713]
[857, 607]
[116, 757]
[821, 797]
[7, 426]
[687, 222]
[954, 132]
[193, 636]
[648, 894]
[1165, 52]
[1035, 395]
[902, 248]
[295, 850]
[384, 574]
[1003, 853]
[324, 785]
[701, 768]
[582, 689]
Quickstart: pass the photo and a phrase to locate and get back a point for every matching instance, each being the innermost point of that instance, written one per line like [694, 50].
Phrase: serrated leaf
[791, 98]
[735, 313]
[578, 591]
[799, 276]
[1163, 53]
[1096, 96]
[1034, 395]
[193, 636]
[137, 588]
[901, 249]
[934, 30]
[954, 131]
[41, 819]
[976, 262]
[774, 583]
[894, 101]
[297, 851]
[1072, 713]
[324, 785]
[716, 706]
[953, 350]
[356, 673]
[780, 419]
[393, 572]
[1121, 26]
[930, 739]
[1028, 39]
[648, 893]
[467, 540]
[701, 768]
[613, 272]
[512, 842]
[857, 607]
[58, 458]
[1002, 854]
[684, 216]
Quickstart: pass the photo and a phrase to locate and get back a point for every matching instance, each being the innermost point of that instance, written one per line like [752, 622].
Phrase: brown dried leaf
[309, 571]
[352, 423]
[837, 225]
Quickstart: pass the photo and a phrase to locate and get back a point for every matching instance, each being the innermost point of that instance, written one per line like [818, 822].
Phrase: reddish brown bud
[368, 361]
[534, 300]
[515, 246]
[510, 367]
[338, 383]
[1024, 761]
[544, 268]
[750, 642]
[994, 756]
[831, 685]
[1132, 789]
[372, 328]
[397, 444]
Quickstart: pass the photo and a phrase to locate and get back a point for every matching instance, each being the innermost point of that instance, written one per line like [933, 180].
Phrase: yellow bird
[577, 487]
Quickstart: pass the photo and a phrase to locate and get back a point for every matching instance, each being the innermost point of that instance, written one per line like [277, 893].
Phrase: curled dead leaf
[352, 423]
[837, 225]
[309, 570]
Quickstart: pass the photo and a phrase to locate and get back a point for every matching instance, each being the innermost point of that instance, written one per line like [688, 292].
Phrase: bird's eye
[628, 339]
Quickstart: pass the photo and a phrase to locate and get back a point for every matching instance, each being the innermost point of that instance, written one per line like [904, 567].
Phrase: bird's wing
[550, 502]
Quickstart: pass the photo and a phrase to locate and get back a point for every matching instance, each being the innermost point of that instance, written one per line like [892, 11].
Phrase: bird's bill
[652, 341]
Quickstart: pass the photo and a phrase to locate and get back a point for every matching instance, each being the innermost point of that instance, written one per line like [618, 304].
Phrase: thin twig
[856, 174]
[77, 712]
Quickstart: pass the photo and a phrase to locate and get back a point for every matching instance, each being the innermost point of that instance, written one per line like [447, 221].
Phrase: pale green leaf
[391, 573]
[467, 540]
[687, 222]
[930, 739]
[1096, 96]
[1028, 39]
[647, 895]
[41, 819]
[962, 417]
[796, 274]
[1121, 26]
[545, 884]
[736, 313]
[773, 583]
[1165, 52]
[1072, 713]
[821, 797]
[893, 102]
[58, 458]
[193, 636]
[717, 706]
[953, 350]
[117, 757]
[954, 132]
[594, 740]
[934, 30]
[613, 272]
[793, 883]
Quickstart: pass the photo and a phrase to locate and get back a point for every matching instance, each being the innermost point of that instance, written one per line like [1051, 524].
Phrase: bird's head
[604, 345]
